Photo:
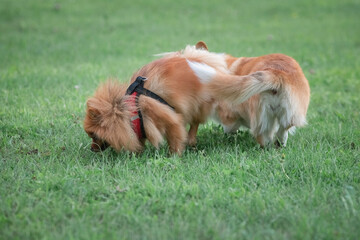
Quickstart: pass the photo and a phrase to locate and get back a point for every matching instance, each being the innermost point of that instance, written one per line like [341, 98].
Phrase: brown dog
[172, 96]
[271, 98]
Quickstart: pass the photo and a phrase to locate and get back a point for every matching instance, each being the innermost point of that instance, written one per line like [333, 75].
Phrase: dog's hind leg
[282, 136]
[262, 140]
[265, 139]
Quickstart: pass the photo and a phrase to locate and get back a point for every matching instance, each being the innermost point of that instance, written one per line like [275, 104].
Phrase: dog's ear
[93, 109]
[201, 45]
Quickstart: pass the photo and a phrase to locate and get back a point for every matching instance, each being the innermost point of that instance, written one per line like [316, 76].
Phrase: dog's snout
[94, 149]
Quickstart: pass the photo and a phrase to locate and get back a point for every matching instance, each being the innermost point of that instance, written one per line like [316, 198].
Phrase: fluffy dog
[165, 96]
[271, 97]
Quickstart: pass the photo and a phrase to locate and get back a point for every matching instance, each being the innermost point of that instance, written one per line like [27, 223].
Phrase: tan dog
[123, 116]
[271, 98]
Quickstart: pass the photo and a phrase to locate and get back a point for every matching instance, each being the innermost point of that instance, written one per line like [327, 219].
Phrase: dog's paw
[278, 144]
[192, 142]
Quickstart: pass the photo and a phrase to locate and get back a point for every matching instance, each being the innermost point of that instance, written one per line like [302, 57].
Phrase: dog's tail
[233, 88]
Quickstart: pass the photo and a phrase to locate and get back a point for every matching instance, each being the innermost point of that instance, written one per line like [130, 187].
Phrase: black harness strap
[138, 87]
[140, 116]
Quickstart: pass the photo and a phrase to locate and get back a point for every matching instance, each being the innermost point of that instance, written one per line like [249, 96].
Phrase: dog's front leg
[192, 134]
[159, 120]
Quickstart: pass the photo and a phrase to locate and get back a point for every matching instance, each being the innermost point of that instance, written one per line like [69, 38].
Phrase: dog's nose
[94, 149]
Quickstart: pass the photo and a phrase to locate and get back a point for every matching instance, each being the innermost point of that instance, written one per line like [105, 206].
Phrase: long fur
[107, 119]
[268, 94]
[235, 89]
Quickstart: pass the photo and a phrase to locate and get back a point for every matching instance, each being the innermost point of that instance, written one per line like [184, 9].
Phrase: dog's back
[172, 79]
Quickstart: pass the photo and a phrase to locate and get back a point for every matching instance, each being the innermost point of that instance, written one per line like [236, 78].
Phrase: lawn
[53, 55]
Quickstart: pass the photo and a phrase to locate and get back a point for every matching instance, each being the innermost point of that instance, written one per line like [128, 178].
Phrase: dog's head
[107, 119]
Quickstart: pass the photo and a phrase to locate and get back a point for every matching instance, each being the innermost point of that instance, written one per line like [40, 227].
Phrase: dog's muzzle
[97, 148]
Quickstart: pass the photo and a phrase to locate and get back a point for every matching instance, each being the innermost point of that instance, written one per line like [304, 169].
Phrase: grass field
[54, 54]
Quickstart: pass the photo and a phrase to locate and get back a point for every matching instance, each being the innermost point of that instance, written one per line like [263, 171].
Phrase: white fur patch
[165, 54]
[204, 72]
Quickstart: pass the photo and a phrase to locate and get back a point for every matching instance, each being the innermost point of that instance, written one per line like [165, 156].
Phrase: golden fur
[268, 94]
[107, 119]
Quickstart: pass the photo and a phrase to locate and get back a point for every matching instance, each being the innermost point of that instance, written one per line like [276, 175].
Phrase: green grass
[54, 54]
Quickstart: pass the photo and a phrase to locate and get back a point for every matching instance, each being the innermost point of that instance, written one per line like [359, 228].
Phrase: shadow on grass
[212, 136]
[210, 139]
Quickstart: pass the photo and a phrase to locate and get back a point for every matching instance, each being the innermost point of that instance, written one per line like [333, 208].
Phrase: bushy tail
[236, 89]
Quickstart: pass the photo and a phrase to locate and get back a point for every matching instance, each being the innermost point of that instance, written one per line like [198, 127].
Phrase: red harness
[135, 90]
[136, 121]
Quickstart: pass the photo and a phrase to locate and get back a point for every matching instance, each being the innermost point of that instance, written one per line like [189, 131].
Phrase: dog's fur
[108, 113]
[271, 97]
